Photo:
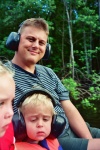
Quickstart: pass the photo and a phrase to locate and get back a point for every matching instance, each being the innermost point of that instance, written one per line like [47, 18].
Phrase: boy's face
[38, 122]
[7, 94]
[32, 45]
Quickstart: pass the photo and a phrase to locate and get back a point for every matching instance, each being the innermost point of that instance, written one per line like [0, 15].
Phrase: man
[7, 94]
[33, 35]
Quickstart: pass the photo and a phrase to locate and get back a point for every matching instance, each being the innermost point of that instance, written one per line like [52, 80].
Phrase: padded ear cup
[47, 52]
[12, 43]
[58, 125]
[19, 126]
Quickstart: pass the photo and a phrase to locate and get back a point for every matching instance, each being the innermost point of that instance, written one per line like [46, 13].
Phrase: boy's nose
[9, 113]
[40, 123]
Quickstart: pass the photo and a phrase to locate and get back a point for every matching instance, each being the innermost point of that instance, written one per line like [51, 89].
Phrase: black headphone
[58, 122]
[13, 40]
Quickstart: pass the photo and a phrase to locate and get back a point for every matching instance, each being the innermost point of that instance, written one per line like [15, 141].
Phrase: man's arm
[76, 121]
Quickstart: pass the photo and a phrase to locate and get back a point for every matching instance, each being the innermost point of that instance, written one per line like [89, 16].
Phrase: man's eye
[31, 40]
[41, 43]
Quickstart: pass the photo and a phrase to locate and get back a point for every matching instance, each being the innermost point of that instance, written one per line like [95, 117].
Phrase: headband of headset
[35, 91]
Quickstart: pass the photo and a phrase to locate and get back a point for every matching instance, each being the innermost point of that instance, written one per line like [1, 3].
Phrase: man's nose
[35, 43]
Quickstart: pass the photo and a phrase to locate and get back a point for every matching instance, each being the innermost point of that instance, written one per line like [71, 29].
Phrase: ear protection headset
[58, 122]
[13, 41]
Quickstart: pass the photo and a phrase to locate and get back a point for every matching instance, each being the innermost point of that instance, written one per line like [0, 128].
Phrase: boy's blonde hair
[36, 100]
[35, 22]
[5, 70]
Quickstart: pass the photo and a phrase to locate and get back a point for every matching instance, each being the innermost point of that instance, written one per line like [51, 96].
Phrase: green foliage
[4, 52]
[93, 97]
[15, 12]
[71, 85]
[87, 96]
[95, 88]
[31, 8]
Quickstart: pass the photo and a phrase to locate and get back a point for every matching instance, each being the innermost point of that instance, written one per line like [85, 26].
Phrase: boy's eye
[32, 120]
[46, 119]
[1, 103]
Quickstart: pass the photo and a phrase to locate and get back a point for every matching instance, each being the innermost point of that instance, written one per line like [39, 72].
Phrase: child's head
[7, 94]
[38, 111]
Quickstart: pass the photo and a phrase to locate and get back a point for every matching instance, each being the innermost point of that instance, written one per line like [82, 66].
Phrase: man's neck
[27, 67]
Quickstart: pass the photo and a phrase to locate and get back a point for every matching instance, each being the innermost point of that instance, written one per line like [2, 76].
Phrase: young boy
[7, 94]
[38, 112]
